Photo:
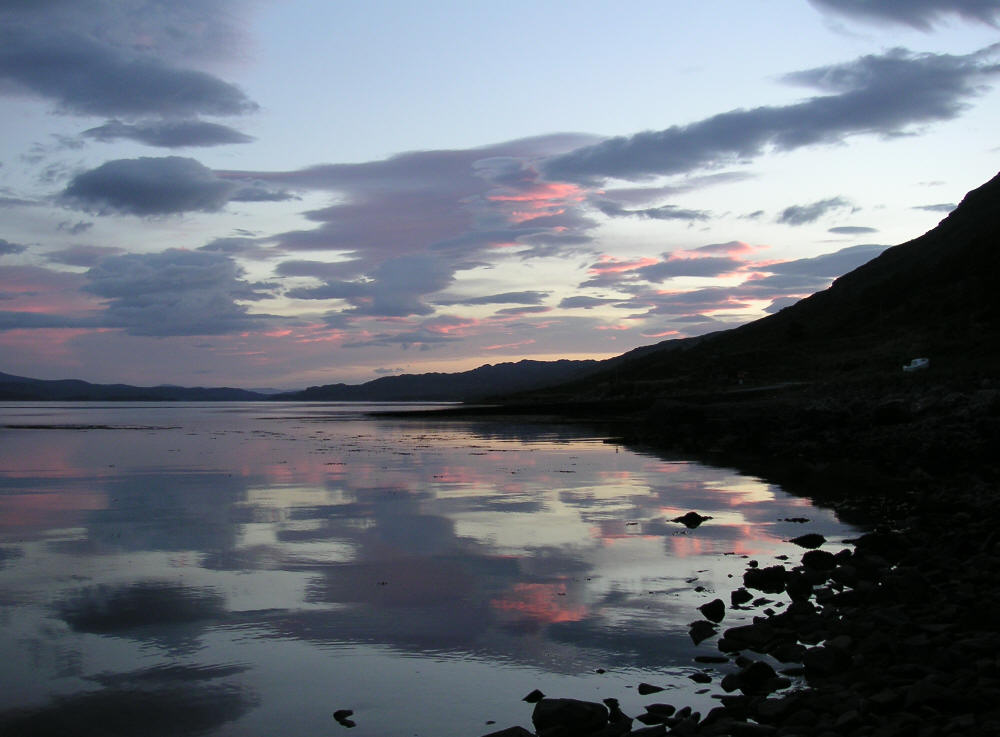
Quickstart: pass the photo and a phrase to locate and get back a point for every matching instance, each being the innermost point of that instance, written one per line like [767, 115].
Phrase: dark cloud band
[877, 94]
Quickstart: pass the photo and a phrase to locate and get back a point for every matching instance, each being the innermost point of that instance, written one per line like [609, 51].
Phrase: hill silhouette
[22, 388]
[485, 381]
[937, 296]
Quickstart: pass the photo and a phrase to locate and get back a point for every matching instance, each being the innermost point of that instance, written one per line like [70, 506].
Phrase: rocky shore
[895, 635]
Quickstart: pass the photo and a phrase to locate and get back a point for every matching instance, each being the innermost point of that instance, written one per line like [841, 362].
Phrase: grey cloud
[524, 298]
[149, 186]
[258, 193]
[664, 212]
[876, 94]
[420, 200]
[80, 226]
[447, 210]
[174, 292]
[88, 78]
[944, 207]
[17, 320]
[693, 302]
[8, 249]
[586, 302]
[780, 303]
[803, 214]
[326, 270]
[238, 246]
[707, 266]
[920, 14]
[643, 195]
[523, 310]
[421, 338]
[169, 133]
[395, 288]
[81, 255]
[852, 230]
[830, 265]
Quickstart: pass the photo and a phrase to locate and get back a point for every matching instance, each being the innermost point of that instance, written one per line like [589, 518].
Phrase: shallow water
[248, 569]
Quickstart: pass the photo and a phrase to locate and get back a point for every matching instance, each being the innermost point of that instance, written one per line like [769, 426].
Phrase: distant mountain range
[69, 390]
[937, 296]
[490, 380]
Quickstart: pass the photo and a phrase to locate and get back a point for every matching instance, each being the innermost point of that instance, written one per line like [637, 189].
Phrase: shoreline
[895, 635]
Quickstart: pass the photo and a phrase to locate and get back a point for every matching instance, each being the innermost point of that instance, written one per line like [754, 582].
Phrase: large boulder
[572, 715]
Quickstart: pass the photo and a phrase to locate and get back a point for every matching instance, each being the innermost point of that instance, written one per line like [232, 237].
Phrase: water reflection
[294, 559]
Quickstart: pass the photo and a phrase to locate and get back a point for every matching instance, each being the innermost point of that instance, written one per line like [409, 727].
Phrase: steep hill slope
[936, 296]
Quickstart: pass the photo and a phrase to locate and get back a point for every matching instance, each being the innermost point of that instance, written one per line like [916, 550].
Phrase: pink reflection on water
[541, 602]
[47, 509]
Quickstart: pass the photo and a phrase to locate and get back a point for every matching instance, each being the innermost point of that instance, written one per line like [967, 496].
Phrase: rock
[700, 677]
[534, 697]
[847, 721]
[770, 580]
[740, 596]
[819, 560]
[652, 718]
[645, 689]
[710, 659]
[824, 661]
[798, 586]
[341, 716]
[654, 731]
[691, 520]
[714, 610]
[665, 710]
[811, 541]
[576, 717]
[757, 678]
[510, 732]
[701, 630]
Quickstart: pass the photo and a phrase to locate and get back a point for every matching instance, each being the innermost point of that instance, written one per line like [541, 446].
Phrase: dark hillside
[935, 296]
[484, 381]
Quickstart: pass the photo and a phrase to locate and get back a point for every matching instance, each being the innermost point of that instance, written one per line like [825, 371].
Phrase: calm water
[247, 569]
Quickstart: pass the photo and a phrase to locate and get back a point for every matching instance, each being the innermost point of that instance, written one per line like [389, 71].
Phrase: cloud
[945, 207]
[174, 292]
[80, 226]
[20, 320]
[118, 59]
[920, 14]
[663, 212]
[770, 281]
[81, 255]
[394, 288]
[149, 186]
[705, 267]
[884, 94]
[829, 265]
[523, 298]
[243, 246]
[586, 303]
[536, 310]
[406, 224]
[852, 230]
[262, 193]
[424, 337]
[804, 214]
[168, 133]
[8, 249]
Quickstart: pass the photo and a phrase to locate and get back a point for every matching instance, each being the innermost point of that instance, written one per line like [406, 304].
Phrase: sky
[281, 194]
